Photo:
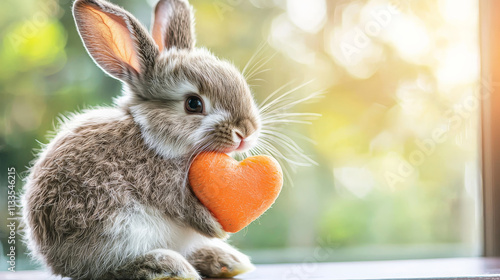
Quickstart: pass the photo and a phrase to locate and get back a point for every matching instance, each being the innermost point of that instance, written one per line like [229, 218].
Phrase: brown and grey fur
[108, 198]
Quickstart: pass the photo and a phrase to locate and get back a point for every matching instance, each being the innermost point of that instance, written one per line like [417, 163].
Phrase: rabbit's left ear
[173, 25]
[115, 39]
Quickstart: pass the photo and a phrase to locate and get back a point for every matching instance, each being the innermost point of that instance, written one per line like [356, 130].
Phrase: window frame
[490, 123]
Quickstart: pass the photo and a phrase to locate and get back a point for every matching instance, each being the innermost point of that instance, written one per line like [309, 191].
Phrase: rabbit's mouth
[228, 150]
[242, 146]
[239, 144]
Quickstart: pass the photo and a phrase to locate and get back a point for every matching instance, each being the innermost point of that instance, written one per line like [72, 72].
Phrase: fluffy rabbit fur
[108, 198]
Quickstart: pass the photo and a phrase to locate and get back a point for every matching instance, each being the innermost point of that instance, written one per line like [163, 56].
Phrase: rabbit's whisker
[290, 146]
[265, 107]
[308, 116]
[258, 66]
[281, 136]
[253, 68]
[289, 132]
[292, 103]
[270, 96]
[286, 121]
[252, 58]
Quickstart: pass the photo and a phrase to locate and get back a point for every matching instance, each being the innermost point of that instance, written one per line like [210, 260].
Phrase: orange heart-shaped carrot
[235, 192]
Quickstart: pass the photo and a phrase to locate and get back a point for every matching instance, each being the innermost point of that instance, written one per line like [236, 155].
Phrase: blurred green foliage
[375, 110]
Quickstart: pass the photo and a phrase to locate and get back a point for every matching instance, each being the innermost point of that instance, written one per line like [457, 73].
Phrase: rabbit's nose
[238, 136]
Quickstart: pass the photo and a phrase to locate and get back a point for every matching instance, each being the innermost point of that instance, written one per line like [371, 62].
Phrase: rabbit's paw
[220, 261]
[159, 264]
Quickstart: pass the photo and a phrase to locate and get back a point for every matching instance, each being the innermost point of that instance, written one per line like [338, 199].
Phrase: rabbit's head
[184, 98]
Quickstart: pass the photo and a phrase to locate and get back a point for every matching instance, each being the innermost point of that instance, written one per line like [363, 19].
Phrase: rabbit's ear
[173, 25]
[115, 39]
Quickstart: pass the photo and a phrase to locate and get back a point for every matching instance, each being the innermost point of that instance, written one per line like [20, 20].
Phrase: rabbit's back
[94, 170]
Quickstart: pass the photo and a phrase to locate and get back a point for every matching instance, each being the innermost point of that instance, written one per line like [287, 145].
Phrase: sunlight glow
[358, 54]
[458, 11]
[286, 37]
[309, 16]
[409, 37]
[458, 64]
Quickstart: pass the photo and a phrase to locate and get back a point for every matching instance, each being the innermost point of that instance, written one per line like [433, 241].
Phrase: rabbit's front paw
[220, 261]
[159, 264]
[218, 231]
[202, 220]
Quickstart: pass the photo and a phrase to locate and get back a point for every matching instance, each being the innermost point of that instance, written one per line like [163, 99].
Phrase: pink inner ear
[115, 35]
[163, 12]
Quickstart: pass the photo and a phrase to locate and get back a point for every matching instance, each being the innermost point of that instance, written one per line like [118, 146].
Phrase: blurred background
[396, 146]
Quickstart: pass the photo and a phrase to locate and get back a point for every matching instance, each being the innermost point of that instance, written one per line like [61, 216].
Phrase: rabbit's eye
[194, 105]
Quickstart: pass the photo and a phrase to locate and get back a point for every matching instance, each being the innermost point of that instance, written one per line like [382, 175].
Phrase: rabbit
[108, 197]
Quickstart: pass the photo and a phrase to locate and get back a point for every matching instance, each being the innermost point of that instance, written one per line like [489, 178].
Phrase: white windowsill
[459, 268]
